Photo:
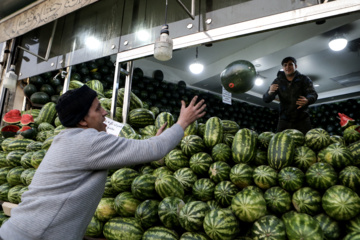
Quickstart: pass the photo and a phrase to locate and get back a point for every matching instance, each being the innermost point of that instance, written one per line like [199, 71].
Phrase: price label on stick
[226, 96]
[113, 127]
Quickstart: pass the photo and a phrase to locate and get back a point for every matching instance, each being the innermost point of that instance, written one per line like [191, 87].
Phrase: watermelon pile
[225, 180]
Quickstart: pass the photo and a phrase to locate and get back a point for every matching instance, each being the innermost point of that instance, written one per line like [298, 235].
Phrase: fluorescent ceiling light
[338, 43]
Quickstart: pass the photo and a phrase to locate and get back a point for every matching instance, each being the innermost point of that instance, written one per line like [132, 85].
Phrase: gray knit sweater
[69, 182]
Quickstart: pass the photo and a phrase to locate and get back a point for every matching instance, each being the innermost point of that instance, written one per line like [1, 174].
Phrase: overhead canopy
[37, 14]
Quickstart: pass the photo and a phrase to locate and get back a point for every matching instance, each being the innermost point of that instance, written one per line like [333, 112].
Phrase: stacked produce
[225, 180]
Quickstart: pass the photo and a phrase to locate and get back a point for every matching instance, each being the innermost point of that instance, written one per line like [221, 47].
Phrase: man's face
[96, 116]
[289, 68]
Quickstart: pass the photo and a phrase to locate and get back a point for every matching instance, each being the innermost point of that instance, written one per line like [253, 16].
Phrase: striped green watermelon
[224, 192]
[304, 157]
[37, 157]
[307, 200]
[121, 179]
[321, 176]
[192, 144]
[221, 224]
[337, 139]
[4, 190]
[13, 176]
[159, 233]
[147, 213]
[260, 157]
[355, 151]
[302, 226]
[280, 151]
[341, 203]
[203, 189]
[125, 204]
[219, 171]
[3, 162]
[221, 152]
[162, 118]
[186, 178]
[15, 144]
[105, 209]
[268, 227]
[25, 160]
[352, 236]
[167, 186]
[47, 143]
[95, 228]
[34, 146]
[213, 204]
[47, 114]
[24, 175]
[350, 177]
[3, 173]
[241, 175]
[191, 216]
[169, 209]
[277, 200]
[297, 136]
[176, 159]
[317, 139]
[248, 205]
[194, 236]
[143, 187]
[230, 127]
[201, 129]
[337, 155]
[30, 176]
[123, 228]
[189, 198]
[13, 158]
[351, 135]
[162, 171]
[14, 194]
[95, 85]
[109, 191]
[213, 132]
[145, 169]
[264, 139]
[192, 129]
[45, 126]
[244, 146]
[149, 130]
[200, 163]
[126, 131]
[141, 117]
[353, 225]
[329, 226]
[228, 139]
[135, 102]
[265, 177]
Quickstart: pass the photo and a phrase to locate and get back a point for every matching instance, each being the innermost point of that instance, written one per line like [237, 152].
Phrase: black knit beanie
[73, 105]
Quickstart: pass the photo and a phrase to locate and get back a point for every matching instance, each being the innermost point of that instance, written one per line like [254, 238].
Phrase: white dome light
[338, 43]
[259, 81]
[196, 68]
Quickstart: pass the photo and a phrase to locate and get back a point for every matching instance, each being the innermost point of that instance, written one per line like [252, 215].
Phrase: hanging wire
[166, 9]
[197, 52]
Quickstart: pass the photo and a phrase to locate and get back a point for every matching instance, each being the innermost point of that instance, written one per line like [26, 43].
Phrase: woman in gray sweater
[70, 180]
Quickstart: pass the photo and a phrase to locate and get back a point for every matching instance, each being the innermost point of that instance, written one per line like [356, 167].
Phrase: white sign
[226, 96]
[113, 127]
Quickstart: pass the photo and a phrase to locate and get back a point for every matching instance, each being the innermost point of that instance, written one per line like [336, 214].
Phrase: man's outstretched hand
[191, 113]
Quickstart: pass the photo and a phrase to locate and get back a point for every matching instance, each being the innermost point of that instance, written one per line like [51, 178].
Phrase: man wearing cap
[296, 92]
[70, 180]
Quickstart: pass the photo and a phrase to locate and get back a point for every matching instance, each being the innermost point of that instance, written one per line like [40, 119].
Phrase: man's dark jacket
[289, 92]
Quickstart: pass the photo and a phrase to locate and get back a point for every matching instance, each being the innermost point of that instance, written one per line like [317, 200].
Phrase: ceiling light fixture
[163, 46]
[259, 80]
[10, 79]
[196, 67]
[338, 42]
